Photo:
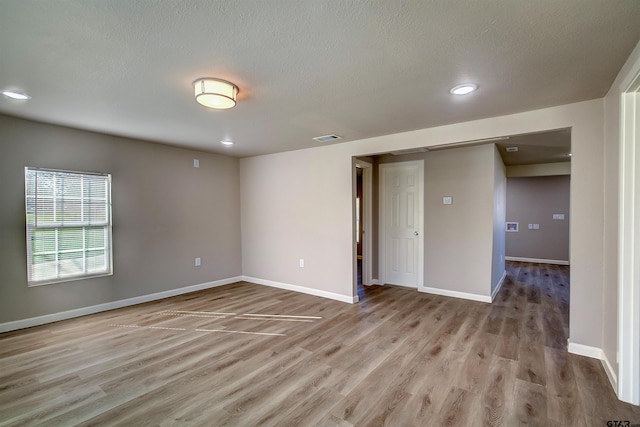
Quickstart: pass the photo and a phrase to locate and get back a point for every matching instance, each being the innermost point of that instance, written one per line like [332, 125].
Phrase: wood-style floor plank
[248, 355]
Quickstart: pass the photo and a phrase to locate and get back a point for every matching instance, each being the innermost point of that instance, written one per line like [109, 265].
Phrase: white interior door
[401, 212]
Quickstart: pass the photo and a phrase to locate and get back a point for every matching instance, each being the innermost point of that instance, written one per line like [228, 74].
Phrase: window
[68, 225]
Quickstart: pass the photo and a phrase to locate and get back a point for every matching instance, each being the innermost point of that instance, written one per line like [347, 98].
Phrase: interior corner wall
[165, 214]
[299, 204]
[534, 200]
[499, 219]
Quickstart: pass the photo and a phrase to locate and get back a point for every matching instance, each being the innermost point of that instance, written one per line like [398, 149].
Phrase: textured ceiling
[304, 67]
[535, 148]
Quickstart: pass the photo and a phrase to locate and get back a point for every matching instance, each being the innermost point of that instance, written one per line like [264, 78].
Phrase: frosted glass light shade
[215, 93]
[464, 89]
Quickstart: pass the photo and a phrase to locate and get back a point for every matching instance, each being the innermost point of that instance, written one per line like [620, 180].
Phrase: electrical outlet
[198, 262]
[447, 200]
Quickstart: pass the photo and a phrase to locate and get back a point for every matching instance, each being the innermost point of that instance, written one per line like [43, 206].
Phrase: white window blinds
[68, 225]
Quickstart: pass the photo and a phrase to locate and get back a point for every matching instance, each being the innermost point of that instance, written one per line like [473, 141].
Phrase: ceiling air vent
[327, 138]
[511, 149]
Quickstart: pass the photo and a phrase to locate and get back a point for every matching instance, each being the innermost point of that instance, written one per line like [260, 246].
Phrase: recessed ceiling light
[464, 89]
[227, 143]
[326, 138]
[15, 95]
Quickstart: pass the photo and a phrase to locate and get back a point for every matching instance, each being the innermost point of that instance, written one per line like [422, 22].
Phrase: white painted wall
[298, 204]
[612, 146]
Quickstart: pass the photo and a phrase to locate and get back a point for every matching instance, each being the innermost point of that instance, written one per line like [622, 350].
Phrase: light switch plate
[536, 226]
[447, 200]
[558, 216]
[196, 163]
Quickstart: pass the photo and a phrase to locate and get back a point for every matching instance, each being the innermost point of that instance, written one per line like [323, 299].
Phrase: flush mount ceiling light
[227, 143]
[215, 93]
[15, 95]
[464, 89]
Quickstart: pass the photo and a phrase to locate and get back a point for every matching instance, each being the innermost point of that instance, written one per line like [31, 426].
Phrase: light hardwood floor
[243, 355]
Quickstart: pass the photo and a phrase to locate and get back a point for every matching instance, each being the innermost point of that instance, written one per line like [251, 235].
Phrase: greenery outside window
[68, 225]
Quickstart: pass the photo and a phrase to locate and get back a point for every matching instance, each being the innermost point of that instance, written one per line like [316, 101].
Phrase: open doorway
[363, 224]
[538, 170]
[459, 180]
[537, 241]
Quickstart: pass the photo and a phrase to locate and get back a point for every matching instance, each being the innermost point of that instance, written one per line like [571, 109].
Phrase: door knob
[415, 233]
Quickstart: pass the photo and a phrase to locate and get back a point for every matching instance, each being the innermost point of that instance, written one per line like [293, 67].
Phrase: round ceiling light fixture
[215, 93]
[464, 89]
[15, 95]
[226, 142]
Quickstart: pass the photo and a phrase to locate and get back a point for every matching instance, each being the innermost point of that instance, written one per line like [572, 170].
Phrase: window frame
[108, 233]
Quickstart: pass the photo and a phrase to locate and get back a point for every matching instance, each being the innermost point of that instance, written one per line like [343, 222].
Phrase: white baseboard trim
[64, 315]
[585, 350]
[456, 294]
[596, 353]
[611, 373]
[537, 260]
[374, 282]
[497, 289]
[310, 291]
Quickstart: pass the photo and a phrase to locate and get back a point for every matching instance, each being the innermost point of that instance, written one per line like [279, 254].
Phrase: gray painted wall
[534, 200]
[458, 237]
[165, 213]
[499, 217]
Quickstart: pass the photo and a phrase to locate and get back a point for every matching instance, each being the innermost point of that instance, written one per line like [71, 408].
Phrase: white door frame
[629, 246]
[367, 230]
[382, 200]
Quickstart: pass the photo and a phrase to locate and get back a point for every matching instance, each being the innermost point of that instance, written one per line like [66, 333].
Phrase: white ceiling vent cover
[327, 138]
